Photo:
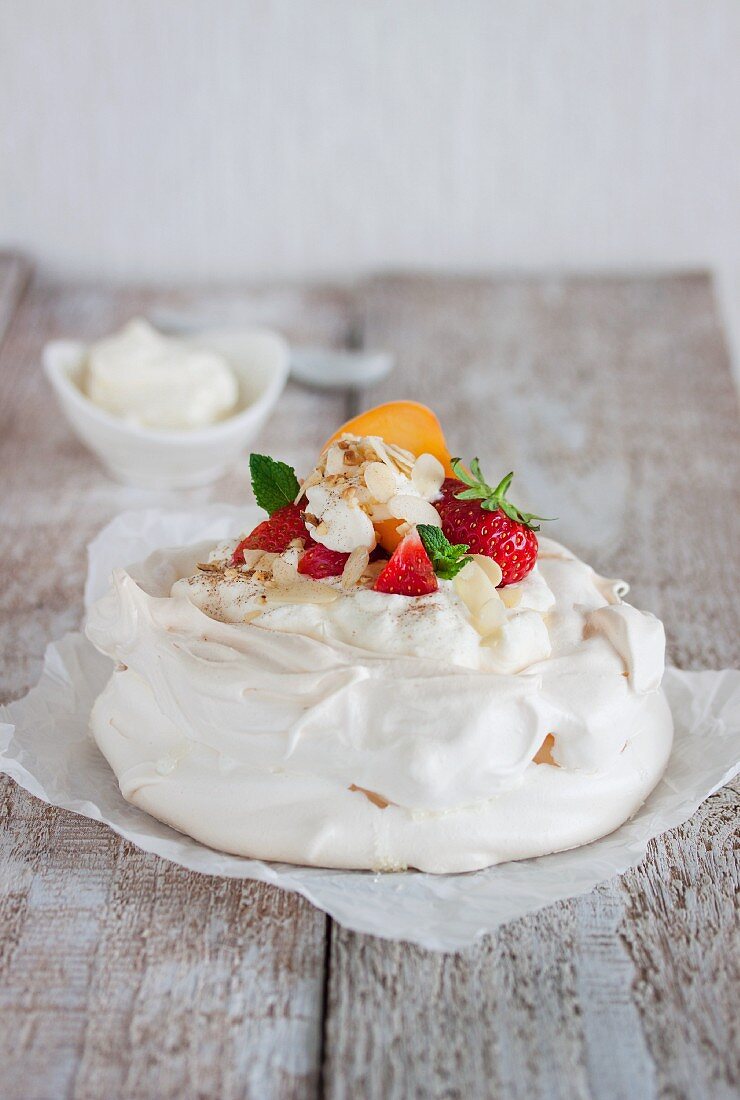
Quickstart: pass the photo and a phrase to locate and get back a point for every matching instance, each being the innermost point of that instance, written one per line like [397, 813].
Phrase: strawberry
[409, 571]
[474, 513]
[319, 561]
[275, 534]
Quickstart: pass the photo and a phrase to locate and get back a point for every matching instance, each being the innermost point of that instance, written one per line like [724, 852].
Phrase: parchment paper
[45, 746]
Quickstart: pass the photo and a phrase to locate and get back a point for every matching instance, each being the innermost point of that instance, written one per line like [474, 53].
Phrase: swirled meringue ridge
[367, 735]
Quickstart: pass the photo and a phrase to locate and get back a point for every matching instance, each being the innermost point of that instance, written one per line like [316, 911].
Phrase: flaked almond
[491, 568]
[474, 587]
[313, 479]
[427, 475]
[284, 572]
[252, 558]
[354, 567]
[414, 510]
[335, 460]
[400, 454]
[379, 512]
[380, 450]
[511, 595]
[490, 618]
[302, 592]
[380, 480]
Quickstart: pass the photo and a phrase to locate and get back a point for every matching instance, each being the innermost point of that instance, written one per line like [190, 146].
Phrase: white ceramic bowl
[175, 459]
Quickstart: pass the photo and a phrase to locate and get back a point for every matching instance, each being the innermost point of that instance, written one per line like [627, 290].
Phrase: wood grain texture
[612, 400]
[15, 273]
[122, 975]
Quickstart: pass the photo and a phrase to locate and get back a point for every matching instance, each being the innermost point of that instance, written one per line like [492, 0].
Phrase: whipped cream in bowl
[156, 381]
[166, 413]
[297, 704]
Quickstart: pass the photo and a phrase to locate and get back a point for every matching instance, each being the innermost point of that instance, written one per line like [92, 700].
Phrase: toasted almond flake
[491, 568]
[284, 573]
[379, 512]
[354, 567]
[335, 460]
[303, 592]
[414, 510]
[380, 480]
[490, 618]
[511, 596]
[380, 449]
[427, 475]
[252, 558]
[403, 458]
[210, 566]
[313, 479]
[474, 587]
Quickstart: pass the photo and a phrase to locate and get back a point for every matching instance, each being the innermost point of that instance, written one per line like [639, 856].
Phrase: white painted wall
[186, 139]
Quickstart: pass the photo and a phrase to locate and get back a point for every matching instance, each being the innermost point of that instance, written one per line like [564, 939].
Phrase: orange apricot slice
[408, 424]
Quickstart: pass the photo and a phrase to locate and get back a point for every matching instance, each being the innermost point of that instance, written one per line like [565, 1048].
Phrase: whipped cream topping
[374, 730]
[154, 381]
[361, 481]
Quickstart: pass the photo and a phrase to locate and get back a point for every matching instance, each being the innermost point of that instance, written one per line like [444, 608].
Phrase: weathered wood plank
[120, 974]
[613, 401]
[15, 273]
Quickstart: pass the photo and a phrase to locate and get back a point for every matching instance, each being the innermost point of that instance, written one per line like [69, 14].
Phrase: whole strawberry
[474, 513]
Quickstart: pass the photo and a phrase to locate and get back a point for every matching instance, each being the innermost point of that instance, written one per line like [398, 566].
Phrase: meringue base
[285, 817]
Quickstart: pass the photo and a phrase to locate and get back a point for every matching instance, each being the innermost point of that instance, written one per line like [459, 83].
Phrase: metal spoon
[346, 369]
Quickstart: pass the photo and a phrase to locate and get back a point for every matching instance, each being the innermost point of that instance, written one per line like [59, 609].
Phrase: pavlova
[390, 671]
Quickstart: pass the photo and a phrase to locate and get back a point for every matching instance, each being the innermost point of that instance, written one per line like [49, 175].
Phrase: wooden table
[122, 975]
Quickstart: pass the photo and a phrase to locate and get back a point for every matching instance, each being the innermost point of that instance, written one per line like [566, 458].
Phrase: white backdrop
[187, 139]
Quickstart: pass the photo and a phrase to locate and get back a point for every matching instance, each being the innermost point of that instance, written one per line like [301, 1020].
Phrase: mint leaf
[274, 483]
[446, 558]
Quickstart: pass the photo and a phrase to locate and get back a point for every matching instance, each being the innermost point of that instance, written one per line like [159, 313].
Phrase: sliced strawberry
[409, 571]
[275, 534]
[319, 561]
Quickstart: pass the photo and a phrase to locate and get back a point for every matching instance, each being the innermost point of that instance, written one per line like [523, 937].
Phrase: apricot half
[410, 425]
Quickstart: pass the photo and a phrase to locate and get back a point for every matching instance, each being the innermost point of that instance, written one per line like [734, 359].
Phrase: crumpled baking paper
[45, 746]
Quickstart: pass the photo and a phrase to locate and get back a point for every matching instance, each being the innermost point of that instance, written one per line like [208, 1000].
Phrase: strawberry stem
[492, 499]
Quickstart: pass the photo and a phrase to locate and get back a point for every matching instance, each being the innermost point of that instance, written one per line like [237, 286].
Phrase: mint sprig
[274, 483]
[447, 559]
[492, 499]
